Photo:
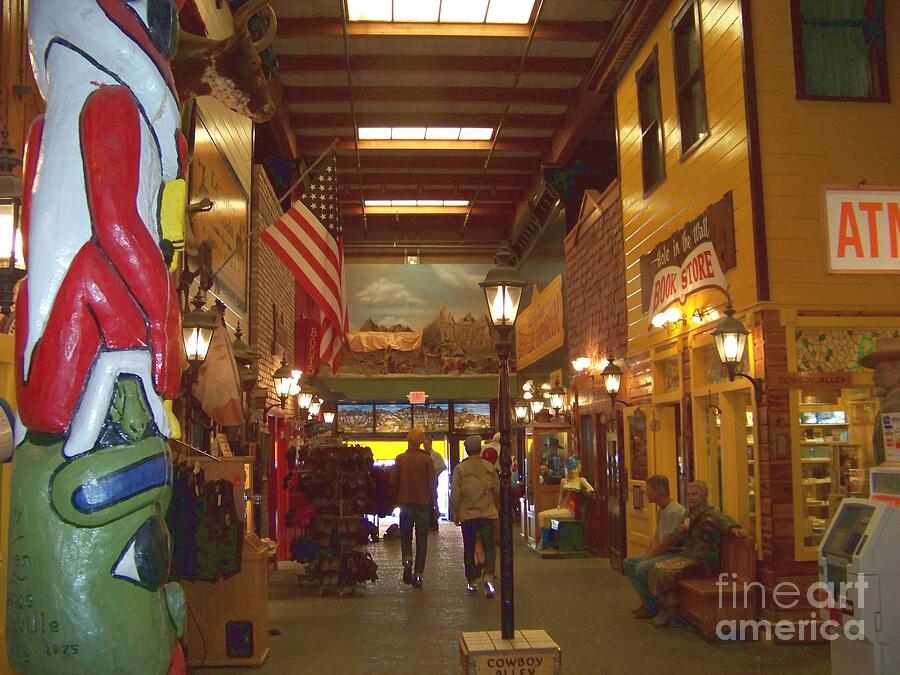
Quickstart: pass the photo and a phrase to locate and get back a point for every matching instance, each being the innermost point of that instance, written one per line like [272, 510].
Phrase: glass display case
[547, 447]
[830, 465]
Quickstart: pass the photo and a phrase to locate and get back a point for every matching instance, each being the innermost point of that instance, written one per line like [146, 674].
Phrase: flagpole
[287, 193]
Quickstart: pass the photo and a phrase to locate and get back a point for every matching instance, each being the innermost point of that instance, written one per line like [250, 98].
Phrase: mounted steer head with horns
[229, 70]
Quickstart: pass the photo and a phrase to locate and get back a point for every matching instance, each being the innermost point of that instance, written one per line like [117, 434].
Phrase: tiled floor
[392, 629]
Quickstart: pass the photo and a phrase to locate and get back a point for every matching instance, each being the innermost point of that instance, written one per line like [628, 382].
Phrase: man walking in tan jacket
[474, 497]
[414, 485]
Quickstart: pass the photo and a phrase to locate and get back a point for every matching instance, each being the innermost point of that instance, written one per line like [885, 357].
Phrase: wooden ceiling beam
[315, 144]
[415, 119]
[497, 194]
[564, 31]
[421, 164]
[533, 95]
[497, 210]
[292, 64]
[376, 180]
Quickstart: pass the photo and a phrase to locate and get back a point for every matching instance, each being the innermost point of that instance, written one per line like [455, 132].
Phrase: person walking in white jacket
[474, 500]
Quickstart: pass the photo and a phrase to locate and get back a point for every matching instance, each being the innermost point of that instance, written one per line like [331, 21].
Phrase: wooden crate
[531, 651]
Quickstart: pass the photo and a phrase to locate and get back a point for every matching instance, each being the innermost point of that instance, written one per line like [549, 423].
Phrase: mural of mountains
[369, 325]
[469, 333]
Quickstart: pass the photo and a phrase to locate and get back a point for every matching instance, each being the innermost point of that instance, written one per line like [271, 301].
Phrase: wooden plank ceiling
[444, 75]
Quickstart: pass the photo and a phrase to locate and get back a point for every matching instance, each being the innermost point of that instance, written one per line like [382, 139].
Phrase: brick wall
[595, 289]
[271, 284]
[776, 499]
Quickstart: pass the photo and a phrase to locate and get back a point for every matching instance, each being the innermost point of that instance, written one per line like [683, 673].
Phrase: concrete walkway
[392, 629]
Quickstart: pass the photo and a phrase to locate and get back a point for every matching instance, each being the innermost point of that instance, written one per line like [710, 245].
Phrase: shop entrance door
[670, 457]
[594, 471]
[615, 487]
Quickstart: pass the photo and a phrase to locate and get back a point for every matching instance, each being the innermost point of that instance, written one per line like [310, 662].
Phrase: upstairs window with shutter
[840, 49]
[690, 88]
[653, 160]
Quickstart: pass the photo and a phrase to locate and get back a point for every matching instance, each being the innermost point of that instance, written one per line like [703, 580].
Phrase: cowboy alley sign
[696, 256]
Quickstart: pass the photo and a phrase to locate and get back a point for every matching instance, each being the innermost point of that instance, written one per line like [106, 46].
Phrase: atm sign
[863, 230]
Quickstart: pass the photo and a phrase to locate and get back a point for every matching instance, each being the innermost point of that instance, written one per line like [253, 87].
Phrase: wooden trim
[757, 201]
[800, 65]
[421, 165]
[316, 143]
[651, 62]
[426, 119]
[534, 95]
[703, 133]
[565, 31]
[376, 179]
[290, 64]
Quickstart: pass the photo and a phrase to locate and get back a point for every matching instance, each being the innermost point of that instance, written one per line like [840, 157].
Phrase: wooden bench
[705, 604]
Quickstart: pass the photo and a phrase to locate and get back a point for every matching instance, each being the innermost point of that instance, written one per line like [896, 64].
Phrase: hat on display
[573, 462]
[886, 349]
[473, 444]
[416, 436]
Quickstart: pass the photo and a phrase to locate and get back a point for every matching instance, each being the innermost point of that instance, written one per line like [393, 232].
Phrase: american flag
[309, 242]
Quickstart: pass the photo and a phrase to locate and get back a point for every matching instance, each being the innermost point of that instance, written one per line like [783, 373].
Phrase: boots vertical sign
[696, 256]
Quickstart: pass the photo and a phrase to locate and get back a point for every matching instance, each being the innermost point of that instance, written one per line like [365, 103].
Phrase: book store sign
[695, 257]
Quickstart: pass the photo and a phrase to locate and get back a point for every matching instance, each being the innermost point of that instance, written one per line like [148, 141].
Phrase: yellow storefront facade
[747, 173]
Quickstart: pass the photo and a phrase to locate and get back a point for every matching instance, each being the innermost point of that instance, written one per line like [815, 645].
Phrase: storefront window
[712, 418]
[835, 452]
[750, 455]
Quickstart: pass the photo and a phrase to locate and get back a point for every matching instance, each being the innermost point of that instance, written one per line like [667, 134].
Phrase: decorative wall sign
[356, 418]
[694, 257]
[669, 373]
[432, 417]
[226, 224]
[637, 435]
[472, 415]
[813, 380]
[862, 227]
[539, 328]
[393, 418]
[835, 350]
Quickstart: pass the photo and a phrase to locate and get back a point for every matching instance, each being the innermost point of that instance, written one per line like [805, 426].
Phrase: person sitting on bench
[698, 541]
[668, 516]
[572, 492]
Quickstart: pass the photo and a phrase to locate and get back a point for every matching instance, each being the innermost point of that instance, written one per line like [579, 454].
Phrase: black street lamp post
[521, 408]
[503, 290]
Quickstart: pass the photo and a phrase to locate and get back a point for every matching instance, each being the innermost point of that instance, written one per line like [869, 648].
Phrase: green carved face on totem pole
[79, 606]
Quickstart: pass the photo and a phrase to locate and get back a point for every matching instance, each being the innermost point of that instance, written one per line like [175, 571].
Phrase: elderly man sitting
[697, 541]
[668, 517]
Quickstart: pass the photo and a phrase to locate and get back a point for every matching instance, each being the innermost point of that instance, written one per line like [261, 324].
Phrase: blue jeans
[484, 528]
[420, 518]
[637, 569]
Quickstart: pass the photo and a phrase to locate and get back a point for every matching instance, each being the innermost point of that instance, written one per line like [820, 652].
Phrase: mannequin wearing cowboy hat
[572, 492]
[885, 361]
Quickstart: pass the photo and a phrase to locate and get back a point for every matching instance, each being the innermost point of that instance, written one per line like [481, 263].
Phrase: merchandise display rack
[337, 481]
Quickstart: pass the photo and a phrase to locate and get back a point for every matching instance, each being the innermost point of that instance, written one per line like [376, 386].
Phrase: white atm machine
[860, 556]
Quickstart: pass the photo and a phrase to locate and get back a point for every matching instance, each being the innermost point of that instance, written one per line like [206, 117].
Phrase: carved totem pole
[98, 350]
